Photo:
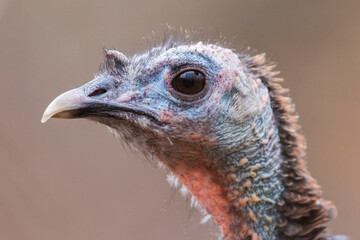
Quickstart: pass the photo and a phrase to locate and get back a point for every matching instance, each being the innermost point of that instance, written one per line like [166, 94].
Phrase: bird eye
[189, 83]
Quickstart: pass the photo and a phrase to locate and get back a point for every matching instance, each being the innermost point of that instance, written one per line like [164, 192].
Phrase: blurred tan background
[72, 180]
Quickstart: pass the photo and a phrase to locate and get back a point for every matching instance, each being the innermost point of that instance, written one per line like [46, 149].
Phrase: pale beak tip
[44, 118]
[49, 112]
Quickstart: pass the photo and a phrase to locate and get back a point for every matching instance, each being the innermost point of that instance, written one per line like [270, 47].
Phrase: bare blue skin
[236, 127]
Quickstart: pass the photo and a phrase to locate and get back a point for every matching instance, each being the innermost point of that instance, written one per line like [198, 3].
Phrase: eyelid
[191, 66]
[184, 68]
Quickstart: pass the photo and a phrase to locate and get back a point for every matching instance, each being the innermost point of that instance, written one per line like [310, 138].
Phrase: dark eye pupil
[189, 83]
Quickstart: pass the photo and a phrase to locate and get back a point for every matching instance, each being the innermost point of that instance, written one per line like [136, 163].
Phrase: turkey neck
[251, 163]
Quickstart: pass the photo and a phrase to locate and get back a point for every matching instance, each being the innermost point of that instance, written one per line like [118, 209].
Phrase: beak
[66, 105]
[76, 104]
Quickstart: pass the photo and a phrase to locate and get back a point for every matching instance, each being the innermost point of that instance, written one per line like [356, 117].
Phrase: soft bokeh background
[72, 180]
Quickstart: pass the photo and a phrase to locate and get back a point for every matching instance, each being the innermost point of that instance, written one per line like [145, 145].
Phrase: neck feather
[302, 212]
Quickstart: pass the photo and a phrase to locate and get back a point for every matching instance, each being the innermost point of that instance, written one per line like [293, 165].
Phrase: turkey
[223, 126]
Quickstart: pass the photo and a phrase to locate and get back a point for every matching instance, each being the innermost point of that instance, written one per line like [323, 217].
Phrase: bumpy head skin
[234, 144]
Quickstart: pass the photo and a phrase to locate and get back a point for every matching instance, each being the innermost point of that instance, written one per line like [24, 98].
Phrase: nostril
[98, 92]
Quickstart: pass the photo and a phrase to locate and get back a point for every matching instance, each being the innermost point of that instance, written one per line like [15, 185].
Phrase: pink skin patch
[126, 96]
[206, 184]
[165, 116]
[209, 193]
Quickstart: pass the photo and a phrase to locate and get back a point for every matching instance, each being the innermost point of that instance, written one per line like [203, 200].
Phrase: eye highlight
[189, 82]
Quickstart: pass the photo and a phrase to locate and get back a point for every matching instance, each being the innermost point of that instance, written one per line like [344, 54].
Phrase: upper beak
[64, 105]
